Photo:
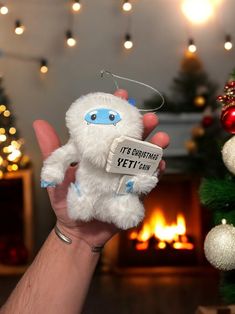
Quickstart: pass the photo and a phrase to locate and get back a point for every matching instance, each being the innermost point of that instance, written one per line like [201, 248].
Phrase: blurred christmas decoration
[76, 6]
[44, 66]
[191, 46]
[228, 105]
[228, 45]
[192, 91]
[70, 40]
[128, 43]
[126, 6]
[3, 9]
[217, 194]
[11, 156]
[197, 11]
[19, 28]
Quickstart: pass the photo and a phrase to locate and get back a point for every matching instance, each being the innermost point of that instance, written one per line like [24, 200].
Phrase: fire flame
[165, 234]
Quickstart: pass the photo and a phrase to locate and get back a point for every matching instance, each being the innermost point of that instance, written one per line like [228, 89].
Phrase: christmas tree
[11, 156]
[218, 194]
[205, 145]
[192, 90]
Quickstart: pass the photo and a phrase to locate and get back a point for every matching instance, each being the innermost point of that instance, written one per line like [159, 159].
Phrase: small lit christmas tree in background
[218, 194]
[207, 138]
[11, 156]
[205, 145]
[192, 91]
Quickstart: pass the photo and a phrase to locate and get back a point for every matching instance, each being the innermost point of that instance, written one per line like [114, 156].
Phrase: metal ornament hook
[102, 72]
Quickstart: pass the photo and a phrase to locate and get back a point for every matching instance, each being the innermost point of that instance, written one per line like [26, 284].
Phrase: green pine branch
[218, 194]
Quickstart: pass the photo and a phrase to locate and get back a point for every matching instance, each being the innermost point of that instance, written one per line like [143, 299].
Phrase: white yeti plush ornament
[94, 121]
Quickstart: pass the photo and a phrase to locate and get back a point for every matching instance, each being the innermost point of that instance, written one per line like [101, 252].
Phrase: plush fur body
[93, 194]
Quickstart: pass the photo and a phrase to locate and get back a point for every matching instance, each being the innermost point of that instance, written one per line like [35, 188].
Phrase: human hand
[95, 233]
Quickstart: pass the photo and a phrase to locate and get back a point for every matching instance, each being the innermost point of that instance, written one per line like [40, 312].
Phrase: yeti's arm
[142, 183]
[55, 165]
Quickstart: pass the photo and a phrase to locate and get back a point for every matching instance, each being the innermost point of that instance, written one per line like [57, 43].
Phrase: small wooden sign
[130, 157]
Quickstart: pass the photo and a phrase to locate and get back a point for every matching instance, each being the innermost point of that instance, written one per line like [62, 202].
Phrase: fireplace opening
[172, 231]
[156, 234]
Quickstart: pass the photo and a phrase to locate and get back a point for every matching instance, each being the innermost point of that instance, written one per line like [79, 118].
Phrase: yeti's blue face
[102, 116]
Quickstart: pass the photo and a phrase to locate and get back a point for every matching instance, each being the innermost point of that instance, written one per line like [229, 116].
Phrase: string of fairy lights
[190, 8]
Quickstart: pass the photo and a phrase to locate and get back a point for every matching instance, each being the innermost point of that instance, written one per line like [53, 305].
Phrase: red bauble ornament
[207, 121]
[228, 119]
[122, 93]
[231, 84]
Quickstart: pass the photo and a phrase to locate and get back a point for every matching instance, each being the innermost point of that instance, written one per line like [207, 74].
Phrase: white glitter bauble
[228, 154]
[219, 247]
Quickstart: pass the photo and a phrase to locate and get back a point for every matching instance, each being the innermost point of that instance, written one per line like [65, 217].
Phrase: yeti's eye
[93, 115]
[111, 117]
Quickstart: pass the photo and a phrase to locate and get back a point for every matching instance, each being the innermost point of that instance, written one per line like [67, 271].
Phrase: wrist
[68, 236]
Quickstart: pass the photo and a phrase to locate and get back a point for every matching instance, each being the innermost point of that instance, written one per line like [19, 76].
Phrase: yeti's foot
[79, 205]
[125, 211]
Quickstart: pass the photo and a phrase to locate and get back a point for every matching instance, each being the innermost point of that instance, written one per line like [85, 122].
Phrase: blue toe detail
[129, 186]
[46, 184]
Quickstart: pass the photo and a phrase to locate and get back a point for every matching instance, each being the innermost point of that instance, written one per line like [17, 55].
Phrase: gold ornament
[199, 101]
[219, 246]
[191, 146]
[198, 131]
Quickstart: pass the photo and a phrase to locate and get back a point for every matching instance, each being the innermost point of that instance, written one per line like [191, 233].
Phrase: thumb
[47, 138]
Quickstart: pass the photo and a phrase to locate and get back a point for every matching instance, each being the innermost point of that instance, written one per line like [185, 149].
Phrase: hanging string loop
[102, 72]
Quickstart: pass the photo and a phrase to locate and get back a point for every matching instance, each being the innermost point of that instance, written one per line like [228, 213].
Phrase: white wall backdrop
[159, 31]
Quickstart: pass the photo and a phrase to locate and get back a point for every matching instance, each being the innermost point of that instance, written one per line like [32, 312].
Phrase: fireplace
[171, 233]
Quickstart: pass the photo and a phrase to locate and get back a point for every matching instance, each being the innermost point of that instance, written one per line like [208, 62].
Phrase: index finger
[47, 138]
[150, 121]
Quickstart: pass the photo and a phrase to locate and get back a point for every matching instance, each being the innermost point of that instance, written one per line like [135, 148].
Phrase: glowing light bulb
[14, 155]
[2, 137]
[127, 6]
[19, 28]
[12, 130]
[71, 42]
[44, 66]
[228, 43]
[2, 131]
[4, 10]
[76, 6]
[2, 108]
[191, 46]
[128, 44]
[198, 11]
[14, 167]
[6, 113]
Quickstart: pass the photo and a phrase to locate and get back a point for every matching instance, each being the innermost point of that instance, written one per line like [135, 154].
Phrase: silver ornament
[228, 154]
[219, 247]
